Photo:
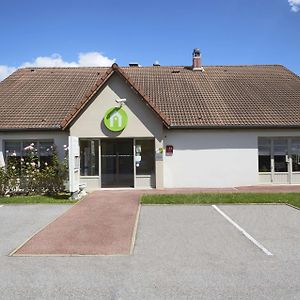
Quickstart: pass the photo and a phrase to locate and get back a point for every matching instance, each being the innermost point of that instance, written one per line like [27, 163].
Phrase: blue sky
[90, 32]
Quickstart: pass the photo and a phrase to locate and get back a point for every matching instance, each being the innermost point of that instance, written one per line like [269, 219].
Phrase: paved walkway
[101, 224]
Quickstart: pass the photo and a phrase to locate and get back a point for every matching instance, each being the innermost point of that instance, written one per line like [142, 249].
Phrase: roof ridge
[205, 66]
[155, 67]
[30, 68]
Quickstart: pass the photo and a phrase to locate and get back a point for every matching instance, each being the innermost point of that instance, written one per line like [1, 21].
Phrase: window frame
[24, 143]
[99, 158]
[289, 154]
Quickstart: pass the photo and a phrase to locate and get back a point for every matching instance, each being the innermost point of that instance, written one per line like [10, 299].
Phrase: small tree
[53, 175]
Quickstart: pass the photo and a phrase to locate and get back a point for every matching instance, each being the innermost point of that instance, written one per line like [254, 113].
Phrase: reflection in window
[295, 153]
[17, 152]
[45, 152]
[146, 151]
[280, 155]
[89, 157]
[264, 155]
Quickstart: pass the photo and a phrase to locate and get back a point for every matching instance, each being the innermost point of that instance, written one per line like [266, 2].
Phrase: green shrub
[32, 177]
[3, 181]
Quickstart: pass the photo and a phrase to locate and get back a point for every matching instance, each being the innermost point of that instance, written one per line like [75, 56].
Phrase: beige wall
[142, 121]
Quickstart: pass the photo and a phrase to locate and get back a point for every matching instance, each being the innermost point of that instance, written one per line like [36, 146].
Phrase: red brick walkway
[101, 224]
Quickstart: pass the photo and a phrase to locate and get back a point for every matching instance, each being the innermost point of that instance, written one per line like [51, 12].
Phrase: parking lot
[181, 252]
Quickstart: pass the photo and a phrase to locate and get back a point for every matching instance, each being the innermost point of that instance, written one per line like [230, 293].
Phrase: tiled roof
[221, 96]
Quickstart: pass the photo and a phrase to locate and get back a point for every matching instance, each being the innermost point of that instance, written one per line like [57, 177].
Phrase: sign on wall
[115, 119]
[169, 150]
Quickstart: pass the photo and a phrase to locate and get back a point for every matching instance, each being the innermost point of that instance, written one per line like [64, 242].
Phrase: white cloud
[5, 71]
[94, 59]
[87, 59]
[55, 60]
[295, 5]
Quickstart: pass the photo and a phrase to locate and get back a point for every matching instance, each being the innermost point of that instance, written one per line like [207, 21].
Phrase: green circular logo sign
[115, 119]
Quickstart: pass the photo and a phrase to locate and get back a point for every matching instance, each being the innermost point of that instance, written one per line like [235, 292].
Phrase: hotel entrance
[117, 166]
[117, 162]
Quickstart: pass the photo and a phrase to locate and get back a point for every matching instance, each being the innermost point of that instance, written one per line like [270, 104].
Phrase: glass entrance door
[117, 163]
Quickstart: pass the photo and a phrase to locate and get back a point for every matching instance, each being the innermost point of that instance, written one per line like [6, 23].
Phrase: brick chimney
[197, 64]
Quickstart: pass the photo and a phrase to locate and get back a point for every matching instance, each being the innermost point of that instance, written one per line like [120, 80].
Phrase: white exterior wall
[214, 158]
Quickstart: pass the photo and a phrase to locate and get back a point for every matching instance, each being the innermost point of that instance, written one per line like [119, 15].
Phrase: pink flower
[29, 148]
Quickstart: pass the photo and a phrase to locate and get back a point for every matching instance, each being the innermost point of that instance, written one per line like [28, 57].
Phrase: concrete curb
[209, 204]
[134, 233]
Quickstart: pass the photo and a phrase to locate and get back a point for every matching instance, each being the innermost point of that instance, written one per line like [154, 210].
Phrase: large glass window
[280, 155]
[295, 154]
[89, 157]
[17, 151]
[145, 152]
[264, 155]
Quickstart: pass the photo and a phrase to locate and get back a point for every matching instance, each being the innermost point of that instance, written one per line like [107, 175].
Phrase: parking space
[277, 227]
[181, 251]
[19, 222]
[187, 232]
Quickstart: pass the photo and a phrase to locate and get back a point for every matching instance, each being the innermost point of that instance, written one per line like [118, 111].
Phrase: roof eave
[279, 126]
[98, 85]
[54, 128]
[95, 88]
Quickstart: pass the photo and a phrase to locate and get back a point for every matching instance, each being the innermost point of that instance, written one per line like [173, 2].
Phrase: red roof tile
[221, 96]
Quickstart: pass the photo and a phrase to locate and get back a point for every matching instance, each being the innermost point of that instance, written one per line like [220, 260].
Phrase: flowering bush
[3, 181]
[31, 175]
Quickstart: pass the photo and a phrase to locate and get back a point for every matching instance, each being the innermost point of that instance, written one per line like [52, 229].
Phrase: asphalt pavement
[181, 252]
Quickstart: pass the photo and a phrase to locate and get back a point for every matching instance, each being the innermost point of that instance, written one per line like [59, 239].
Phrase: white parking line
[245, 233]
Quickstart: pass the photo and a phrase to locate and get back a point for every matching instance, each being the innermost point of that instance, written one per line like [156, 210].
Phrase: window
[89, 157]
[295, 154]
[280, 148]
[146, 151]
[15, 152]
[264, 155]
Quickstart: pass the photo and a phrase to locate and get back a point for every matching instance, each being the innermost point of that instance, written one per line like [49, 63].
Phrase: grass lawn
[59, 199]
[218, 198]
